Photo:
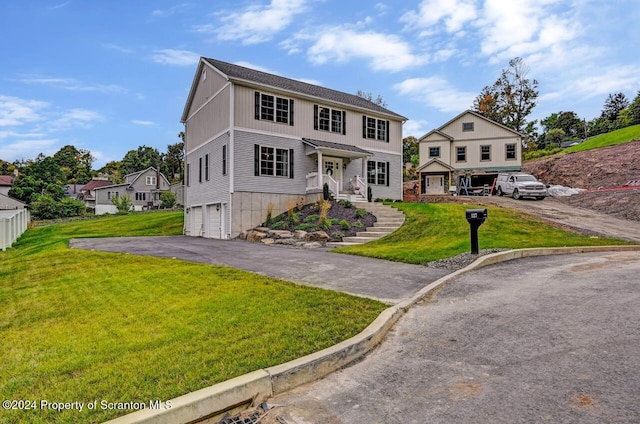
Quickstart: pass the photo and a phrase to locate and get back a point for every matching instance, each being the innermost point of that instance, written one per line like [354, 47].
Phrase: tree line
[41, 182]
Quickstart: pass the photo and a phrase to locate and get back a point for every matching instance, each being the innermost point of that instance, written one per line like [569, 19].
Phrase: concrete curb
[258, 386]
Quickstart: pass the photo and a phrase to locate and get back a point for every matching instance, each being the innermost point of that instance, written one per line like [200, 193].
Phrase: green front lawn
[84, 326]
[437, 231]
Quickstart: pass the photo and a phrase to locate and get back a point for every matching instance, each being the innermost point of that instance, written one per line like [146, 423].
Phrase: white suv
[520, 185]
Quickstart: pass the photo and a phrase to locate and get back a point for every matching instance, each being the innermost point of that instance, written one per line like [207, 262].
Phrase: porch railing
[359, 186]
[316, 183]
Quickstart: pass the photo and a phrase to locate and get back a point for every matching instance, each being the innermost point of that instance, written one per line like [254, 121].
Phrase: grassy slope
[620, 136]
[436, 231]
[81, 326]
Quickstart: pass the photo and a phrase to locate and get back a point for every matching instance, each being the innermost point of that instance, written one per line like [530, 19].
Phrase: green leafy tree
[555, 137]
[140, 159]
[40, 176]
[634, 110]
[368, 96]
[614, 104]
[44, 206]
[6, 168]
[511, 99]
[599, 125]
[70, 207]
[168, 199]
[173, 162]
[75, 163]
[113, 171]
[122, 203]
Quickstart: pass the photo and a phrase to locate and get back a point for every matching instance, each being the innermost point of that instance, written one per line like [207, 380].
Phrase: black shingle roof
[263, 78]
[336, 146]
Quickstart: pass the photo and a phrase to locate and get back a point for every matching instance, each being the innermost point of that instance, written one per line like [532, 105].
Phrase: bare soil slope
[607, 167]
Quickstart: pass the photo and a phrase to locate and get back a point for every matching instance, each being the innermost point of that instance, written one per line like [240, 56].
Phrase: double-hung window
[510, 150]
[150, 180]
[485, 153]
[434, 152]
[269, 107]
[327, 119]
[272, 161]
[461, 154]
[378, 172]
[376, 129]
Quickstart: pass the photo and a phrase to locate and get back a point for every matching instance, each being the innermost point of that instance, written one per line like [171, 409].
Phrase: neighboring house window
[273, 108]
[461, 154]
[327, 119]
[141, 196]
[510, 150]
[206, 167]
[200, 169]
[272, 161]
[151, 180]
[378, 173]
[224, 159]
[467, 126]
[434, 152]
[204, 75]
[111, 195]
[485, 153]
[376, 129]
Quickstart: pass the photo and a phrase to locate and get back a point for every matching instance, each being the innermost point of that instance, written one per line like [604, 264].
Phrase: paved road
[383, 280]
[540, 340]
[586, 220]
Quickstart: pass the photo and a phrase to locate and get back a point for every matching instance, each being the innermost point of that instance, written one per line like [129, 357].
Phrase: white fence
[12, 224]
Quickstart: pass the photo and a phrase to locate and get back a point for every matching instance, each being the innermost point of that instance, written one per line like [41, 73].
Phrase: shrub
[311, 218]
[334, 221]
[346, 203]
[358, 224]
[344, 224]
[71, 207]
[306, 227]
[277, 225]
[337, 235]
[292, 217]
[378, 200]
[369, 194]
[45, 207]
[360, 212]
[168, 199]
[122, 203]
[323, 222]
[268, 222]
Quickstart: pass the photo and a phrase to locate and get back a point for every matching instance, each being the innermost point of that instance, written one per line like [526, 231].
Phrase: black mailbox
[475, 217]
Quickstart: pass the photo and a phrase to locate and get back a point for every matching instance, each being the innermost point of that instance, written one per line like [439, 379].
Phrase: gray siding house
[143, 187]
[254, 140]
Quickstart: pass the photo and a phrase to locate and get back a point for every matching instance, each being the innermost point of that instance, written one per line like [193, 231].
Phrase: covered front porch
[342, 167]
[435, 177]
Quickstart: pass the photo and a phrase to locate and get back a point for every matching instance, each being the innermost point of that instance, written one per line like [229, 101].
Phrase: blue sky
[109, 76]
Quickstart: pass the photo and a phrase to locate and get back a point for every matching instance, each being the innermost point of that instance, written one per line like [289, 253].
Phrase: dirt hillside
[607, 167]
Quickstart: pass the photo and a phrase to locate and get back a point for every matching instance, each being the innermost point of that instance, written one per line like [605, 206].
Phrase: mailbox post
[475, 217]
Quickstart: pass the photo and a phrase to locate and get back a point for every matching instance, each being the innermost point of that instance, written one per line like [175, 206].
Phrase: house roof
[139, 173]
[477, 115]
[432, 161]
[6, 180]
[447, 136]
[238, 73]
[319, 144]
[93, 184]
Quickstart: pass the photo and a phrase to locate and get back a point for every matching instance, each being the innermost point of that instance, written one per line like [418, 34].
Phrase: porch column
[320, 182]
[364, 169]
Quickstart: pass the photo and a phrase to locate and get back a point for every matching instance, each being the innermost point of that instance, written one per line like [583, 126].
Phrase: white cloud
[597, 83]
[175, 57]
[15, 111]
[72, 84]
[255, 23]
[74, 118]
[118, 48]
[453, 13]
[163, 13]
[143, 123]
[28, 148]
[437, 93]
[384, 52]
[416, 128]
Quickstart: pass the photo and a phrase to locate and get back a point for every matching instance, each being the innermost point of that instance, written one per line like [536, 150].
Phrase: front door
[432, 184]
[333, 168]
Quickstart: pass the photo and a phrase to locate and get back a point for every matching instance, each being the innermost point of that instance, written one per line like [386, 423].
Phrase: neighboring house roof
[335, 146]
[6, 180]
[435, 161]
[477, 115]
[139, 173]
[93, 184]
[241, 74]
[440, 133]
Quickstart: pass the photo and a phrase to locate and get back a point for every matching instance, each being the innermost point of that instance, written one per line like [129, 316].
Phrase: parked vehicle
[520, 185]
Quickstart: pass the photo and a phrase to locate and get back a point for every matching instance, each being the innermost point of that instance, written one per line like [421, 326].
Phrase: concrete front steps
[388, 220]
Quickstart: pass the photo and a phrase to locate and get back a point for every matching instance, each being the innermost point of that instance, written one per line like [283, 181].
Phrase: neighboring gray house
[255, 140]
[6, 182]
[143, 188]
[87, 193]
[178, 190]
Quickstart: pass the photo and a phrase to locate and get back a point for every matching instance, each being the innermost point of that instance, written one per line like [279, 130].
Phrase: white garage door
[196, 221]
[213, 229]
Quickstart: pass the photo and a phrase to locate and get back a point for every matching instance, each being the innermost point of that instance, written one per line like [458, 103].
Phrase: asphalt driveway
[378, 279]
[539, 340]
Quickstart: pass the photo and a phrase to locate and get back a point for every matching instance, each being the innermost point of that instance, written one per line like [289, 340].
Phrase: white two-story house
[467, 153]
[256, 141]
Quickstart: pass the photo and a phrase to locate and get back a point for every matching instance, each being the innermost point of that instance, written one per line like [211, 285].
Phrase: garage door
[213, 228]
[196, 221]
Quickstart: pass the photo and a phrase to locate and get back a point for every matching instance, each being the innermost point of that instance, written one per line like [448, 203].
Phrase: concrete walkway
[387, 281]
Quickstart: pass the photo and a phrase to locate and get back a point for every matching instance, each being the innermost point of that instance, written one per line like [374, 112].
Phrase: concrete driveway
[539, 340]
[378, 279]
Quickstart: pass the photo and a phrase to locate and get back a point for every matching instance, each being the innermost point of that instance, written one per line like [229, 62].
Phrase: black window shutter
[388, 174]
[291, 112]
[388, 131]
[364, 126]
[257, 105]
[291, 163]
[256, 160]
[315, 117]
[344, 123]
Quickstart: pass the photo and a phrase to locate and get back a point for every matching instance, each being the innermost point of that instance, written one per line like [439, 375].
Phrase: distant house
[467, 153]
[143, 188]
[87, 192]
[6, 181]
[255, 142]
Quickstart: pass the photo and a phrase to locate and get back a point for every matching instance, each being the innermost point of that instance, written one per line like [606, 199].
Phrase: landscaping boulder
[300, 234]
[255, 235]
[267, 241]
[286, 241]
[319, 236]
[280, 234]
[312, 245]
